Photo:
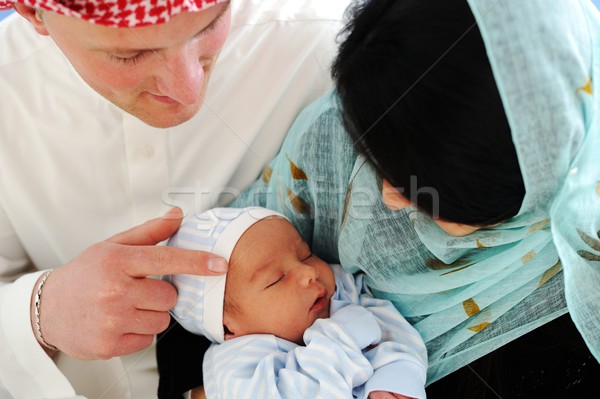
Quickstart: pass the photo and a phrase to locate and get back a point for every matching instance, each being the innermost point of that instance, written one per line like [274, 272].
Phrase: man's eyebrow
[196, 35]
[211, 26]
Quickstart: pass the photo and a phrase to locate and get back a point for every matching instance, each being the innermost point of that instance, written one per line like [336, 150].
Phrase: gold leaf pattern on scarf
[589, 240]
[471, 307]
[266, 174]
[550, 273]
[592, 243]
[479, 327]
[298, 203]
[538, 226]
[297, 173]
[479, 244]
[528, 257]
[457, 270]
[437, 264]
[588, 256]
[587, 87]
[598, 188]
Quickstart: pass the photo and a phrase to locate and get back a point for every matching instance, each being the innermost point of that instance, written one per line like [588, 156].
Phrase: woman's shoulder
[318, 135]
[324, 111]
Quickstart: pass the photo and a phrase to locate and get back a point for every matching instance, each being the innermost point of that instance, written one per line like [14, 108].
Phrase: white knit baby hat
[199, 307]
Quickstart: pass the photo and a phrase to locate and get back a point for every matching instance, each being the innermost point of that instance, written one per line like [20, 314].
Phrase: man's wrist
[36, 303]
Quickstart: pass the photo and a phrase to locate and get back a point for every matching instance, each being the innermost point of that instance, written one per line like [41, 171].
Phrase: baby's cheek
[298, 336]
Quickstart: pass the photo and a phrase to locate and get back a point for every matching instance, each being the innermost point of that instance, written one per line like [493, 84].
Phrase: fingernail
[173, 214]
[217, 265]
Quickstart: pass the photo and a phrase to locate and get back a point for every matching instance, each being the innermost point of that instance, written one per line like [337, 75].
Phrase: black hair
[419, 100]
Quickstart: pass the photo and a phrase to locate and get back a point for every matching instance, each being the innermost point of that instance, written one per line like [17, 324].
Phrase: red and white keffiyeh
[118, 13]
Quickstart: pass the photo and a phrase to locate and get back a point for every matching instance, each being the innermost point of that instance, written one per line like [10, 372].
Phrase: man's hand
[103, 304]
[387, 395]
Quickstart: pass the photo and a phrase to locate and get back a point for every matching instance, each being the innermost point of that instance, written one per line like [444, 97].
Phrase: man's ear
[33, 16]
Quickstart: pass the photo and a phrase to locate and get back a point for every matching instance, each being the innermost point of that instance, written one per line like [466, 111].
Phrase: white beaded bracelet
[36, 311]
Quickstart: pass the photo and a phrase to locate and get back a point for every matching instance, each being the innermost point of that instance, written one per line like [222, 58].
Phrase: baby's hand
[387, 395]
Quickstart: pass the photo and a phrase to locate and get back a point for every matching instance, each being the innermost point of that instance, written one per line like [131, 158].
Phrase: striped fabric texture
[364, 346]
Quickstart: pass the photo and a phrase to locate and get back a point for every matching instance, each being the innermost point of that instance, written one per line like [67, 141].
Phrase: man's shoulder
[19, 41]
[266, 11]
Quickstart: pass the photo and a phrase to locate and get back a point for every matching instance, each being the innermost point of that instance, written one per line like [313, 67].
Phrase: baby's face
[274, 283]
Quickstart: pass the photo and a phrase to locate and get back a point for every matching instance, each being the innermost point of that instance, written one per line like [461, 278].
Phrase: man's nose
[181, 76]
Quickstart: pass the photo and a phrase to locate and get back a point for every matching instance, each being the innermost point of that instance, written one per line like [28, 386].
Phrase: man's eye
[276, 281]
[129, 59]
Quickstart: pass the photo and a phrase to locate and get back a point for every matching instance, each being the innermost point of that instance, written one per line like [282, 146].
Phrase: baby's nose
[309, 274]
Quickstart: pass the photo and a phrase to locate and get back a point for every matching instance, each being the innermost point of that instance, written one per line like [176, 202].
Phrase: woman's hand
[387, 395]
[197, 393]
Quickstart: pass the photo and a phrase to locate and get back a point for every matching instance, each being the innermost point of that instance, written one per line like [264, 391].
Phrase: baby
[286, 324]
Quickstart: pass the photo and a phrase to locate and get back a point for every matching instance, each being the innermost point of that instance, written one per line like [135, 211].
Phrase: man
[106, 121]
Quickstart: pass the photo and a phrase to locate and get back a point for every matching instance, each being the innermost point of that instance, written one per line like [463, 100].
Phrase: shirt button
[148, 151]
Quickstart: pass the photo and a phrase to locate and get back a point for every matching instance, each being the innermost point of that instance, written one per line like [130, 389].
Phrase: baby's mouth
[320, 302]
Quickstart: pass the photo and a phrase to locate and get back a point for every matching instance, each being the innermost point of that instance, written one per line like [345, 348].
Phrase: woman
[456, 164]
[480, 148]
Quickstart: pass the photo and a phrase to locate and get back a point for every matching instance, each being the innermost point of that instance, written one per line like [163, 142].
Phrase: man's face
[157, 73]
[274, 284]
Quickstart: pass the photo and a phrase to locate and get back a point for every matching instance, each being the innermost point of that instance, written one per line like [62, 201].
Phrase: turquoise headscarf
[469, 295]
[545, 56]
